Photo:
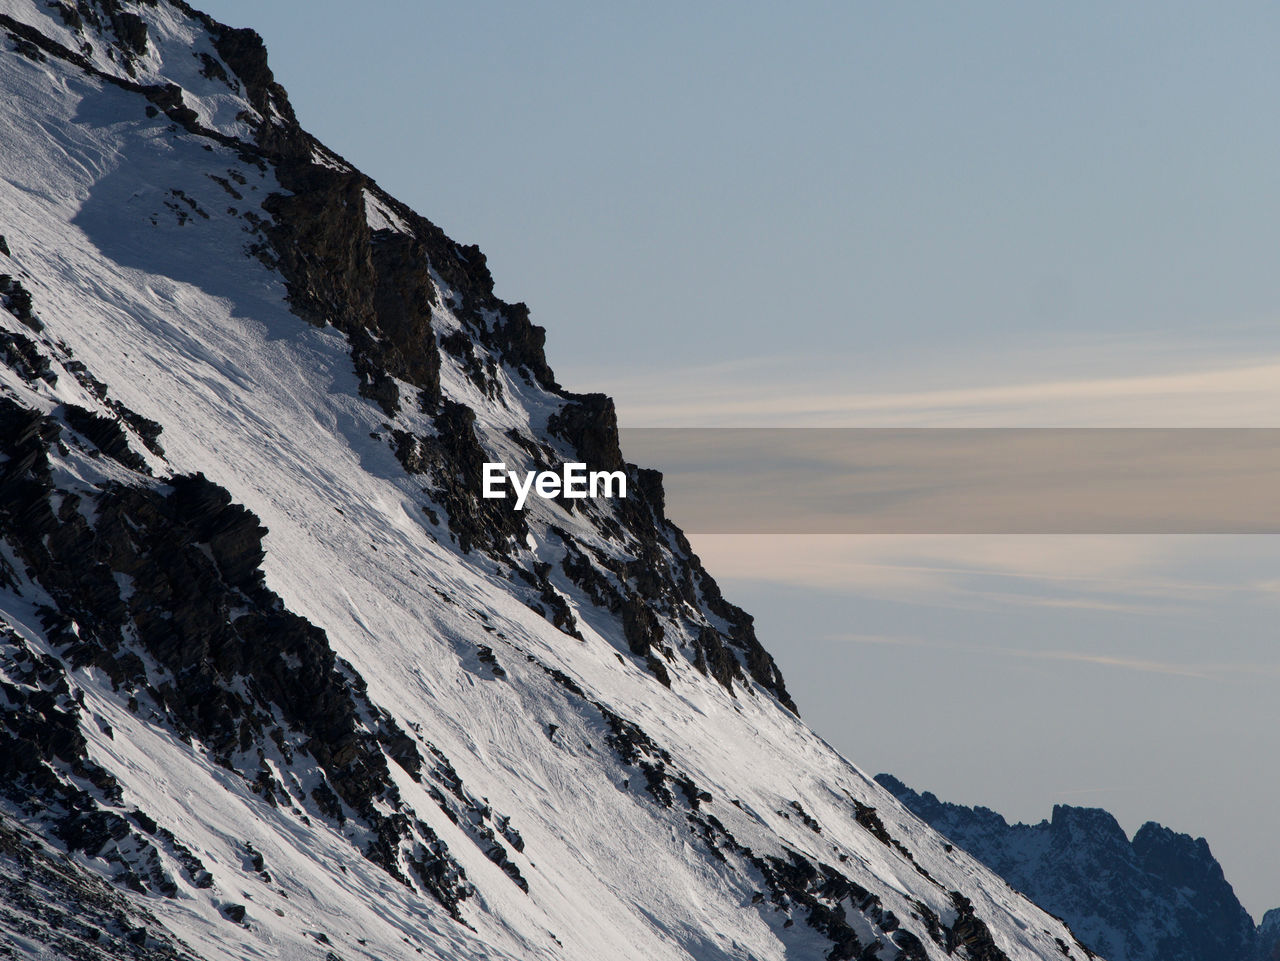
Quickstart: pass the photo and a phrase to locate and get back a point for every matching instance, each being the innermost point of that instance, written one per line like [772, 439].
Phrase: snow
[268, 407]
[380, 216]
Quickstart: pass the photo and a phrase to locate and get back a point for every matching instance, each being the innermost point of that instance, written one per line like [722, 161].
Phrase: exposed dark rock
[169, 99]
[474, 815]
[1268, 940]
[809, 822]
[21, 355]
[106, 434]
[243, 51]
[43, 754]
[17, 300]
[658, 670]
[402, 301]
[28, 49]
[971, 933]
[759, 663]
[49, 900]
[597, 586]
[210, 68]
[481, 369]
[234, 912]
[191, 556]
[486, 656]
[515, 338]
[866, 815]
[131, 30]
[70, 16]
[640, 626]
[454, 460]
[376, 291]
[1160, 897]
[148, 431]
[323, 245]
[911, 947]
[590, 423]
[713, 658]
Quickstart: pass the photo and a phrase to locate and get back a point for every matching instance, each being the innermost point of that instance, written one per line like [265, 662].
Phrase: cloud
[863, 562]
[1022, 480]
[1143, 665]
[1121, 575]
[1231, 392]
[1169, 580]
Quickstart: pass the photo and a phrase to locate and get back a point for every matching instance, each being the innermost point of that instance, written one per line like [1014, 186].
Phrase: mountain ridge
[1160, 896]
[276, 671]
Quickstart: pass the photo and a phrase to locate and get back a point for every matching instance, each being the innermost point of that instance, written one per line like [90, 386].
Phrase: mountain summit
[275, 680]
[1158, 897]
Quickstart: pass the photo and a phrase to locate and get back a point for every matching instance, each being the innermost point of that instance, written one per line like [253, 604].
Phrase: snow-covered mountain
[1160, 896]
[277, 682]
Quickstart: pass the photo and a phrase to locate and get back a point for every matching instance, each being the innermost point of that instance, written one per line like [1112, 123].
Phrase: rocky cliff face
[275, 680]
[1158, 897]
[1269, 936]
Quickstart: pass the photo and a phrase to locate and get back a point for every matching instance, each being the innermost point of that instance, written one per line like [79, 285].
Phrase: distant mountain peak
[1160, 897]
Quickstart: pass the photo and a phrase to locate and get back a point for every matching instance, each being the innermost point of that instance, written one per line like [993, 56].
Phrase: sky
[893, 214]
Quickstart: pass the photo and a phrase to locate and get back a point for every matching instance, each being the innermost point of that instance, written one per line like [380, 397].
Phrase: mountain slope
[1158, 897]
[1269, 936]
[269, 663]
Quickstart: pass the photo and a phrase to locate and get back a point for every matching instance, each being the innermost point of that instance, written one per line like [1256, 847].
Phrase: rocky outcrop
[47, 899]
[380, 288]
[159, 586]
[17, 300]
[146, 593]
[1268, 946]
[454, 460]
[1158, 897]
[1209, 911]
[402, 299]
[590, 424]
[799, 886]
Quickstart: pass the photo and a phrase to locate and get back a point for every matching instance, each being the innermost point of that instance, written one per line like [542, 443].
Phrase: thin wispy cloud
[1140, 664]
[1143, 665]
[1095, 604]
[1132, 575]
[1228, 393]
